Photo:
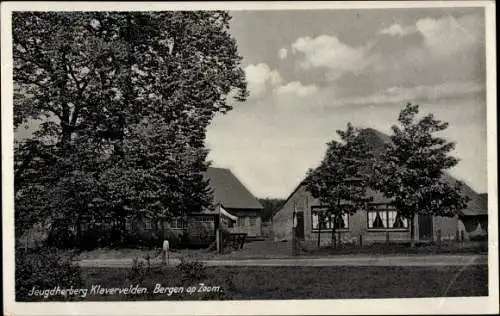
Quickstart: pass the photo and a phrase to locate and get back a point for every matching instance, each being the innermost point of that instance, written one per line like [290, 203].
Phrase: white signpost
[165, 251]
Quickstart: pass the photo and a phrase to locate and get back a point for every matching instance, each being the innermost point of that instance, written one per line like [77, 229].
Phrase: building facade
[377, 221]
[234, 209]
[236, 199]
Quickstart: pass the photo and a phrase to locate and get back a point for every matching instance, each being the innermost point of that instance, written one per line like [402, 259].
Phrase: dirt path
[345, 260]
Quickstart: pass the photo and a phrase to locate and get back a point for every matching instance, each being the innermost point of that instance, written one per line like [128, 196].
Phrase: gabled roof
[229, 191]
[377, 140]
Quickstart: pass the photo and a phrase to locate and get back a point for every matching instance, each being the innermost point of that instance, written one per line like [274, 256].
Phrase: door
[299, 230]
[425, 227]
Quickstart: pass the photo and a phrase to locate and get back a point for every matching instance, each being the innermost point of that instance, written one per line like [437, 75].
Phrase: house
[237, 200]
[378, 221]
[234, 208]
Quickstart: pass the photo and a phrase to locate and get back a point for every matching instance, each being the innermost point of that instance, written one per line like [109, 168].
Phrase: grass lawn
[272, 249]
[241, 283]
[114, 253]
[403, 249]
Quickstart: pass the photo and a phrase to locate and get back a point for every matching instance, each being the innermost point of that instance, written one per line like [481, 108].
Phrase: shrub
[193, 271]
[44, 268]
[137, 272]
[61, 236]
[479, 238]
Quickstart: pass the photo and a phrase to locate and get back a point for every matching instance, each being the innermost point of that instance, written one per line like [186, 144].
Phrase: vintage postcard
[249, 158]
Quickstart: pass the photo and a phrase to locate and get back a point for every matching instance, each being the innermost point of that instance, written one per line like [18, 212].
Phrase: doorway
[425, 227]
[299, 230]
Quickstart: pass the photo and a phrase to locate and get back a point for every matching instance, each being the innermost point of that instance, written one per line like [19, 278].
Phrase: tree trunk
[412, 230]
[319, 229]
[78, 229]
[333, 233]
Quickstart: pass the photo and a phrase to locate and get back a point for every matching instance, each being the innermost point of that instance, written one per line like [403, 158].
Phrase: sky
[310, 72]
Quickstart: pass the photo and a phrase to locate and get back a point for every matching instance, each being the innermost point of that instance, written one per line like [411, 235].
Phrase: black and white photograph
[199, 156]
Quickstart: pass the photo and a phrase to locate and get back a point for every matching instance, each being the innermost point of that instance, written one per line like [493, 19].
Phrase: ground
[267, 249]
[237, 283]
[267, 270]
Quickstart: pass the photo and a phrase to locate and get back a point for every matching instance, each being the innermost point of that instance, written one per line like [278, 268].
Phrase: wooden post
[360, 240]
[218, 233]
[412, 230]
[218, 241]
[297, 241]
[438, 238]
[387, 239]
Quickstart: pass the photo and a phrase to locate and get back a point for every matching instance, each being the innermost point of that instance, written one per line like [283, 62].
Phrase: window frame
[252, 219]
[178, 220]
[128, 224]
[84, 226]
[386, 208]
[241, 222]
[148, 222]
[314, 209]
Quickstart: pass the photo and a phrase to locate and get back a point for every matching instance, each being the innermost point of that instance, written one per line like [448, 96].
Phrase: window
[204, 219]
[241, 221]
[84, 226]
[147, 224]
[253, 221]
[108, 222]
[385, 217]
[178, 223]
[128, 223]
[327, 223]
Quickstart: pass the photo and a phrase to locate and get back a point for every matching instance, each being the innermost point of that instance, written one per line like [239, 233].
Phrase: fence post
[360, 240]
[165, 255]
[439, 238]
[294, 242]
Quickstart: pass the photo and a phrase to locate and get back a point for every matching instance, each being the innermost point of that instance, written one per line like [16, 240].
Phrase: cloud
[260, 78]
[448, 35]
[328, 52]
[297, 88]
[283, 53]
[397, 30]
[406, 94]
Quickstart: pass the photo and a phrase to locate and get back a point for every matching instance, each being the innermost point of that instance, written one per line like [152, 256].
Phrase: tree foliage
[124, 99]
[341, 179]
[411, 170]
[271, 206]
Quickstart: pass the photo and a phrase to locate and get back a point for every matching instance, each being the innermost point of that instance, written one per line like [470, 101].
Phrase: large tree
[411, 170]
[341, 179]
[125, 99]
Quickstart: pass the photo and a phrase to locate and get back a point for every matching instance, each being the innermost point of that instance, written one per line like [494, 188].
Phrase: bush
[193, 271]
[137, 272]
[61, 236]
[479, 238]
[44, 268]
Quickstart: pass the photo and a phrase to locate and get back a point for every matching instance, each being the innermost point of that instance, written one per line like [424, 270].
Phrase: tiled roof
[229, 191]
